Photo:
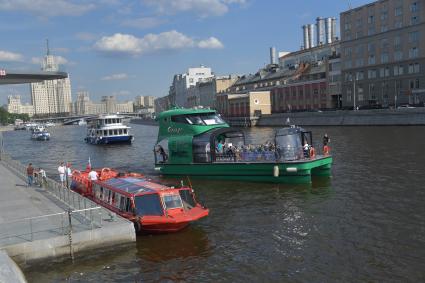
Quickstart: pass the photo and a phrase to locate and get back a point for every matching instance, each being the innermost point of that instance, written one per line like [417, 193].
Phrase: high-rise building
[53, 96]
[383, 54]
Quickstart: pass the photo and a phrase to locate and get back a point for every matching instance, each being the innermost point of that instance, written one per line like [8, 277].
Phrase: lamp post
[354, 91]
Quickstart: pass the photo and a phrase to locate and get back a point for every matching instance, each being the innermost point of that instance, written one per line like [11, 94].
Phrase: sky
[128, 48]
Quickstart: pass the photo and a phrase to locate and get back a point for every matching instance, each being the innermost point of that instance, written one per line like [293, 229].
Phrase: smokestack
[272, 55]
[305, 37]
[328, 30]
[334, 29]
[320, 29]
[311, 35]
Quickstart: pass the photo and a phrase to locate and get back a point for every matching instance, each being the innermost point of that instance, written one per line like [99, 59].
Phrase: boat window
[212, 119]
[120, 131]
[172, 201]
[110, 132]
[187, 197]
[106, 195]
[105, 132]
[148, 205]
[115, 132]
[125, 131]
[101, 193]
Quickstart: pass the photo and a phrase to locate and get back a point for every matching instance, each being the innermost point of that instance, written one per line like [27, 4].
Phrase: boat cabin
[193, 136]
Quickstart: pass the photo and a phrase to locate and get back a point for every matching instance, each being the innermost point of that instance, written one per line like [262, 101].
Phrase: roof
[11, 77]
[134, 185]
[183, 111]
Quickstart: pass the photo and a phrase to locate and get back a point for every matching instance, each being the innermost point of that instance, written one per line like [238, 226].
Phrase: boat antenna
[190, 183]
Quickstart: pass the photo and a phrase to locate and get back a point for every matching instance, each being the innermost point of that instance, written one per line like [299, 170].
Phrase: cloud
[171, 40]
[143, 23]
[46, 8]
[204, 8]
[210, 43]
[6, 56]
[59, 59]
[114, 77]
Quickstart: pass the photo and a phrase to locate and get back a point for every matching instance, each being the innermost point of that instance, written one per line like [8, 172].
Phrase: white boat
[40, 133]
[108, 129]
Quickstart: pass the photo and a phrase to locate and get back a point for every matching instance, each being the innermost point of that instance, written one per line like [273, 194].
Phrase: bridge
[71, 120]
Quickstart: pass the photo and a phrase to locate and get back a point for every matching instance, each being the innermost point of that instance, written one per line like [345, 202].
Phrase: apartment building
[383, 54]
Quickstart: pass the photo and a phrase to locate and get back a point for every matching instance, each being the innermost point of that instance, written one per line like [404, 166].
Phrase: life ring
[326, 150]
[105, 173]
[135, 175]
[312, 152]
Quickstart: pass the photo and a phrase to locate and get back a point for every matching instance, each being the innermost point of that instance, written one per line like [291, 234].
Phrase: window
[398, 55]
[413, 52]
[371, 74]
[371, 59]
[348, 51]
[384, 28]
[172, 201]
[371, 19]
[398, 11]
[371, 48]
[148, 205]
[384, 58]
[414, 7]
[414, 36]
[414, 20]
[414, 68]
[371, 30]
[360, 75]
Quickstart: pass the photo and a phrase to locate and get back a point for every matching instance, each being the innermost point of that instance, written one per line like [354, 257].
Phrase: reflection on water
[365, 223]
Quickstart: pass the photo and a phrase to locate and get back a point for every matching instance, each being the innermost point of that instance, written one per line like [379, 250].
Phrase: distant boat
[40, 133]
[82, 122]
[108, 129]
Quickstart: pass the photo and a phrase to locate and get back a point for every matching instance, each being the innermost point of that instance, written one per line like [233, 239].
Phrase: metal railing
[86, 214]
[47, 226]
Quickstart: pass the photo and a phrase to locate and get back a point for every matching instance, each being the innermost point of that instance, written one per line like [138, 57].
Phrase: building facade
[54, 96]
[14, 105]
[383, 54]
[179, 90]
[250, 104]
[108, 104]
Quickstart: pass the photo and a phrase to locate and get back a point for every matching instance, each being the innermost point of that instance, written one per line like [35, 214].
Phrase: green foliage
[9, 118]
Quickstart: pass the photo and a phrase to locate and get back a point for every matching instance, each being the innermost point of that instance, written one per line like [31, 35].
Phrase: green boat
[200, 144]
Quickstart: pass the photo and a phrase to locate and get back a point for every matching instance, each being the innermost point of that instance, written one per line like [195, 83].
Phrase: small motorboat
[152, 207]
[40, 134]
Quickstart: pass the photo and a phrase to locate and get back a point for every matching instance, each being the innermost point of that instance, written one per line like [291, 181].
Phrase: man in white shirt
[61, 170]
[93, 175]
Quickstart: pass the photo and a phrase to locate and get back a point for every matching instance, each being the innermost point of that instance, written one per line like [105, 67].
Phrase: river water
[366, 223]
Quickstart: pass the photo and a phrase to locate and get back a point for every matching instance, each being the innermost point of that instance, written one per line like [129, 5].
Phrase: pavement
[19, 202]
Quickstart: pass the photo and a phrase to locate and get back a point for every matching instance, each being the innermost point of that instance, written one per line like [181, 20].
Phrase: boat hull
[109, 140]
[288, 172]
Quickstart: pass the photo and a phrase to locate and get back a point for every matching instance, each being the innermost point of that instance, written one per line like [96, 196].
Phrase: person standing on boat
[61, 170]
[92, 175]
[163, 154]
[306, 149]
[30, 174]
[326, 139]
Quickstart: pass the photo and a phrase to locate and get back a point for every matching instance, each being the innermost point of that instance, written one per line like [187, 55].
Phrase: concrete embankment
[38, 223]
[378, 117]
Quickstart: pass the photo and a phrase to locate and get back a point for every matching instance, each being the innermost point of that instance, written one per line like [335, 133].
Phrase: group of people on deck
[309, 150]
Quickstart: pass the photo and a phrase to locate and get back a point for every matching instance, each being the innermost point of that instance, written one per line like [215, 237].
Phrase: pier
[52, 221]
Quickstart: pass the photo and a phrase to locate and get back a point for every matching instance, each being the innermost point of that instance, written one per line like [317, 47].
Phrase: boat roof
[134, 185]
[109, 116]
[184, 111]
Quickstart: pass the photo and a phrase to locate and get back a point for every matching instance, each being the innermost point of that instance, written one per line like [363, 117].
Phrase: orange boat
[152, 207]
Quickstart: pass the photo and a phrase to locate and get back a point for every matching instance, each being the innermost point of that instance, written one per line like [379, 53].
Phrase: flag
[88, 167]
